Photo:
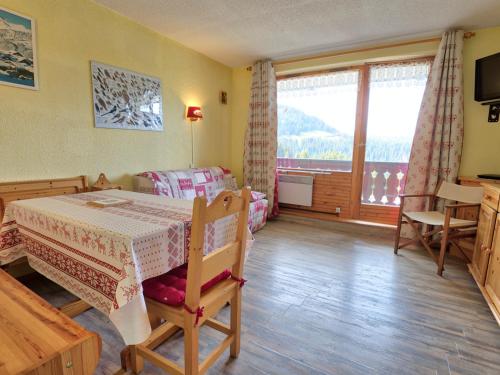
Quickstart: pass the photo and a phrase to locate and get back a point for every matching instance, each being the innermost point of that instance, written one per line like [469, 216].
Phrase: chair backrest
[231, 256]
[11, 191]
[460, 193]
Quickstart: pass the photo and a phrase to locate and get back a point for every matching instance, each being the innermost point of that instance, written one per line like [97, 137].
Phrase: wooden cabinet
[37, 339]
[485, 265]
[492, 284]
[468, 244]
[482, 247]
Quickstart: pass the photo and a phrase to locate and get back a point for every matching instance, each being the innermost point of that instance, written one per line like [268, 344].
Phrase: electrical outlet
[337, 210]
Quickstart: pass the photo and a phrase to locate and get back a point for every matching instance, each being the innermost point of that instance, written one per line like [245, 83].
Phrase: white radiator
[295, 189]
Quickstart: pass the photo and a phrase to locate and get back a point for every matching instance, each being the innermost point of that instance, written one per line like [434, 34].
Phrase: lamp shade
[194, 113]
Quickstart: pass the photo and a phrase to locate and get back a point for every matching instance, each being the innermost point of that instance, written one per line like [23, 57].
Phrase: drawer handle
[69, 364]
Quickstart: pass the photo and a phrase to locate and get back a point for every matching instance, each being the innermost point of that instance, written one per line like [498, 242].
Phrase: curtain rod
[467, 35]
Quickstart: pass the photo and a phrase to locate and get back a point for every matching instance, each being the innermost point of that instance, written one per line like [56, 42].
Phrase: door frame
[359, 210]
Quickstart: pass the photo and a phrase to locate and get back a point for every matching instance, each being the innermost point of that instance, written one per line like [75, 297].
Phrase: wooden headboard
[11, 191]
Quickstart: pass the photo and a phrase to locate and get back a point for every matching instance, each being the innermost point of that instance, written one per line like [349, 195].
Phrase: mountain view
[16, 53]
[302, 136]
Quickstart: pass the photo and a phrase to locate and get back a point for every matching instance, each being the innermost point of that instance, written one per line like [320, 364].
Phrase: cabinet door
[493, 273]
[482, 247]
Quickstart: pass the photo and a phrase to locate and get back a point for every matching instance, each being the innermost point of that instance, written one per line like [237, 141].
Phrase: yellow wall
[481, 152]
[50, 133]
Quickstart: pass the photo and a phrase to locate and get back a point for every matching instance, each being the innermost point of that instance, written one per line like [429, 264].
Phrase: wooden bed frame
[11, 191]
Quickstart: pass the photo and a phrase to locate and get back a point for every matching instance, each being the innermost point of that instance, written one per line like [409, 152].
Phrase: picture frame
[18, 50]
[124, 99]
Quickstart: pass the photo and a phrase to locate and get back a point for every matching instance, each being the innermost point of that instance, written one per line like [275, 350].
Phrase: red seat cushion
[170, 288]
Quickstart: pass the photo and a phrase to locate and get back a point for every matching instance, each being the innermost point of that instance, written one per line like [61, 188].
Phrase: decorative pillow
[170, 288]
[225, 170]
[160, 183]
[257, 196]
[230, 182]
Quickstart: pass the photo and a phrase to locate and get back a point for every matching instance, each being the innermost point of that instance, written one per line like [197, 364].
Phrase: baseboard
[374, 229]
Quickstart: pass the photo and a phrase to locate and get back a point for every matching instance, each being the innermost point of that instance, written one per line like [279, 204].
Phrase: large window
[319, 115]
[316, 120]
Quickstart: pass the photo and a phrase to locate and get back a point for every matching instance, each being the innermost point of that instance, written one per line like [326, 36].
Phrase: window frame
[360, 129]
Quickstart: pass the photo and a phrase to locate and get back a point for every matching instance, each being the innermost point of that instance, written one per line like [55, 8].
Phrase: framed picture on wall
[126, 100]
[18, 63]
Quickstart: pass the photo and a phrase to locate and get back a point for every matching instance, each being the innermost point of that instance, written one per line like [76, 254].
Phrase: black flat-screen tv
[487, 78]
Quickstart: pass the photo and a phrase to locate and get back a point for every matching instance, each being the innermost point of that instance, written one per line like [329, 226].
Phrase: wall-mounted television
[487, 78]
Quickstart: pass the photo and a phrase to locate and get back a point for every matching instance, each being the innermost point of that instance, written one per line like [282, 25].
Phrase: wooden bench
[12, 191]
[38, 339]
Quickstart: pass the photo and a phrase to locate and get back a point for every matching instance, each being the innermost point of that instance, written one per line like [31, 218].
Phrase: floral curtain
[437, 145]
[259, 166]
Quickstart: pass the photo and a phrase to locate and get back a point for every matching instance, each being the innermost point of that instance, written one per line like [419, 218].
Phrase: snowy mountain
[301, 136]
[16, 53]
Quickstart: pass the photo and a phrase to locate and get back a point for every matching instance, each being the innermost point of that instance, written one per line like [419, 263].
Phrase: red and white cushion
[170, 288]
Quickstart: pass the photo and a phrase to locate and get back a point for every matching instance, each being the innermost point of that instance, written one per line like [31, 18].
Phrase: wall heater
[295, 189]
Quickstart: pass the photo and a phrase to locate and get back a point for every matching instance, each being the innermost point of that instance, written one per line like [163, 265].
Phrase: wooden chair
[199, 308]
[446, 227]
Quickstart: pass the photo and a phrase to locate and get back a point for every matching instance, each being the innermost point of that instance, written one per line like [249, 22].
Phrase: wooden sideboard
[37, 339]
[485, 265]
[467, 244]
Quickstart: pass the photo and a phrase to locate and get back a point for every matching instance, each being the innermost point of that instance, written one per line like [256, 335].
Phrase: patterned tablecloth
[102, 255]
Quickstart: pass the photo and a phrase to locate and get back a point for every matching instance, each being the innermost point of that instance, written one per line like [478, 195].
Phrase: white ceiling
[238, 32]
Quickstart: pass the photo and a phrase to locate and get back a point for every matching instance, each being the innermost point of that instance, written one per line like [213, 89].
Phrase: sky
[13, 18]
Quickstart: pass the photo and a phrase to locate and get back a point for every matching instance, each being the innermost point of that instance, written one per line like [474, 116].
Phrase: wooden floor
[336, 300]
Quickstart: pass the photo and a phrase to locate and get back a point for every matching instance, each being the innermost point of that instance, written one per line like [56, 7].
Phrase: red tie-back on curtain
[261, 137]
[437, 144]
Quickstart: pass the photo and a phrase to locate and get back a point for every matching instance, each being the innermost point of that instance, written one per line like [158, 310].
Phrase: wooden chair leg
[191, 356]
[442, 253]
[398, 229]
[136, 361]
[444, 242]
[236, 324]
[154, 320]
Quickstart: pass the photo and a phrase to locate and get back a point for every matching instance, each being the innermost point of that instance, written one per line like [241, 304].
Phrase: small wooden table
[36, 338]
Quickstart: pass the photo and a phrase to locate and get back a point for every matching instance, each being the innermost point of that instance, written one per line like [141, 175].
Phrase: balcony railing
[382, 181]
[315, 164]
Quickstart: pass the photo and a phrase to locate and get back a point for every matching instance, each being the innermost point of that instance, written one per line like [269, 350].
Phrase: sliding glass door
[395, 95]
[357, 121]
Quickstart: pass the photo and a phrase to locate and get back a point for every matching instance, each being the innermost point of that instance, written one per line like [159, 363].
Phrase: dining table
[103, 254]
